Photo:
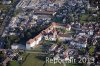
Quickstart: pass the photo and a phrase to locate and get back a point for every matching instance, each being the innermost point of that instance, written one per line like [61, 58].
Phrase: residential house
[6, 2]
[97, 35]
[79, 41]
[59, 49]
[64, 37]
[56, 57]
[6, 61]
[90, 32]
[18, 46]
[52, 36]
[68, 27]
[70, 53]
[65, 54]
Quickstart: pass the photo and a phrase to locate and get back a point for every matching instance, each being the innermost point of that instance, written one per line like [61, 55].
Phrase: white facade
[35, 41]
[51, 38]
[69, 28]
[65, 38]
[33, 44]
[82, 34]
[97, 36]
[90, 32]
[82, 45]
[6, 2]
[79, 44]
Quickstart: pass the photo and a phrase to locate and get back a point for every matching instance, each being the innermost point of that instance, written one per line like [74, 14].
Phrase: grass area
[14, 63]
[75, 64]
[84, 18]
[51, 64]
[34, 60]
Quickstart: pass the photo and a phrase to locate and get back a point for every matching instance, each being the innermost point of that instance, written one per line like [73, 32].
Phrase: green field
[33, 60]
[51, 64]
[14, 63]
[75, 65]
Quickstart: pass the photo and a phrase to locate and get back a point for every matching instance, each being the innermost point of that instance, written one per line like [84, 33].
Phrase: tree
[28, 35]
[63, 31]
[91, 50]
[65, 46]
[14, 63]
[9, 40]
[58, 41]
[17, 11]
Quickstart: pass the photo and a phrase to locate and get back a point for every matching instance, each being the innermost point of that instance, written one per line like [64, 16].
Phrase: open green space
[75, 64]
[32, 59]
[14, 63]
[51, 64]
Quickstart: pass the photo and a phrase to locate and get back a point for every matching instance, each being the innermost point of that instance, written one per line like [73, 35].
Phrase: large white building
[45, 34]
[36, 40]
[33, 42]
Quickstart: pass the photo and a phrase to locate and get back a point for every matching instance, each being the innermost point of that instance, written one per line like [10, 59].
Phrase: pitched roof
[98, 33]
[44, 12]
[34, 39]
[44, 32]
[64, 35]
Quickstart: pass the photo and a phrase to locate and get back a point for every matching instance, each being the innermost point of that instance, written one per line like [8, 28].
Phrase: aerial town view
[49, 32]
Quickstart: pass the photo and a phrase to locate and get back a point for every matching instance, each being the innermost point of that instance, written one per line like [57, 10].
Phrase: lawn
[75, 65]
[33, 60]
[51, 64]
[13, 63]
